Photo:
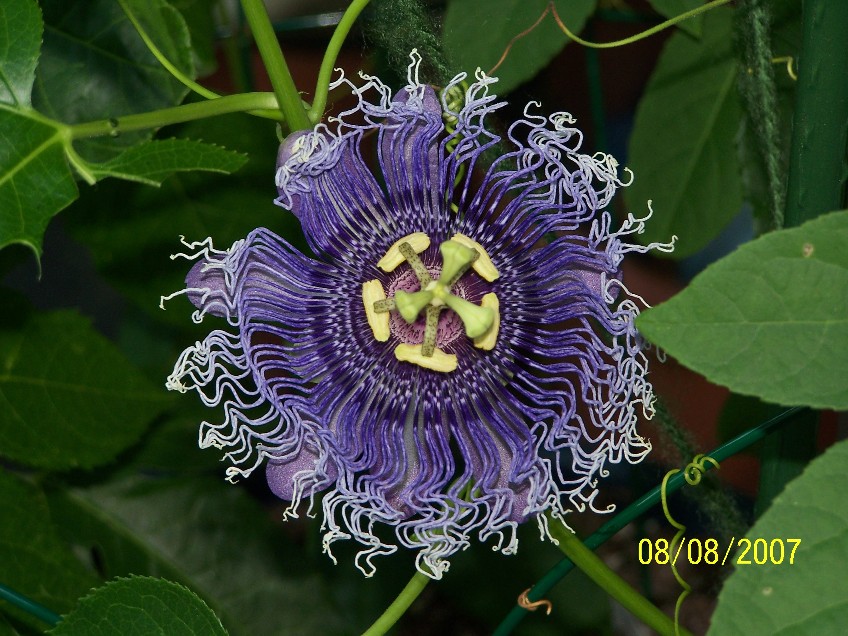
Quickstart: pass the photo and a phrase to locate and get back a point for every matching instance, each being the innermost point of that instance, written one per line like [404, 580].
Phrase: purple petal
[207, 289]
[283, 476]
[409, 158]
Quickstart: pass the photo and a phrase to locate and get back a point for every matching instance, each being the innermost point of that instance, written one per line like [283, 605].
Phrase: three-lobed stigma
[459, 254]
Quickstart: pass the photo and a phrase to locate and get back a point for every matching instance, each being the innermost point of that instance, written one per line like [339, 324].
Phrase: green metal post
[817, 177]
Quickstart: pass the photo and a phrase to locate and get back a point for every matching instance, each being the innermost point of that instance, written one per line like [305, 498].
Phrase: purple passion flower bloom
[457, 357]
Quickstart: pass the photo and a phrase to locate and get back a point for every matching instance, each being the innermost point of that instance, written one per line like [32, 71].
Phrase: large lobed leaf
[808, 595]
[94, 65]
[139, 606]
[68, 398]
[475, 37]
[20, 40]
[682, 149]
[208, 535]
[770, 319]
[33, 559]
[35, 181]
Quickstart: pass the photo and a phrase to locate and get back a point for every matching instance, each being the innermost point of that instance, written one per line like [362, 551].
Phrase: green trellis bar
[817, 180]
[29, 606]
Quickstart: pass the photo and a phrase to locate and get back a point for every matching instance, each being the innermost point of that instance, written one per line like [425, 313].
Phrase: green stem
[394, 611]
[184, 79]
[817, 176]
[637, 509]
[612, 584]
[28, 605]
[178, 114]
[758, 91]
[288, 98]
[322, 87]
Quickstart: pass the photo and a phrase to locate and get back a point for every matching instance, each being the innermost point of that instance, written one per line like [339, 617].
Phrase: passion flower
[458, 354]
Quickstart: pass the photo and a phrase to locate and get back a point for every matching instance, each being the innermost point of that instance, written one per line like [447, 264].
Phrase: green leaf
[741, 413]
[200, 19]
[806, 596]
[476, 35]
[154, 161]
[6, 628]
[94, 66]
[682, 150]
[210, 536]
[194, 205]
[140, 606]
[35, 181]
[770, 319]
[171, 447]
[167, 27]
[34, 561]
[673, 8]
[20, 41]
[68, 398]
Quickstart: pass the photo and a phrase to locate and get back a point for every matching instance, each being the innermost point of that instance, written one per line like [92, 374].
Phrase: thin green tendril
[639, 36]
[790, 65]
[551, 8]
[164, 61]
[322, 87]
[692, 474]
